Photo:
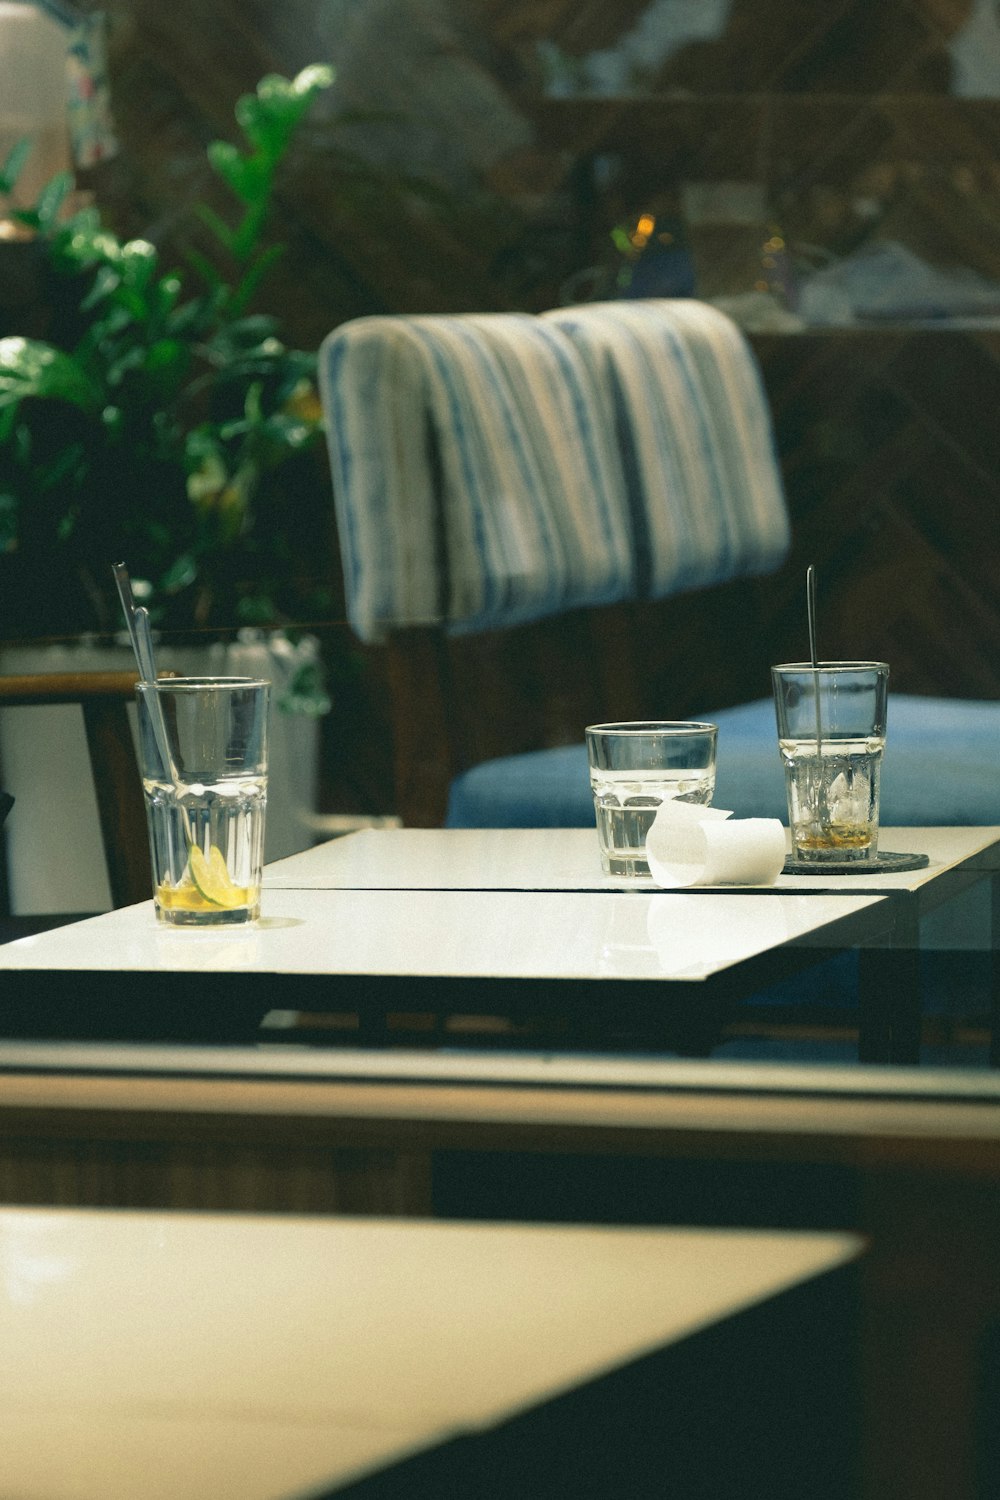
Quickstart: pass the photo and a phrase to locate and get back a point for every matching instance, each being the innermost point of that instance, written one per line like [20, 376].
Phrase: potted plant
[164, 421]
[171, 427]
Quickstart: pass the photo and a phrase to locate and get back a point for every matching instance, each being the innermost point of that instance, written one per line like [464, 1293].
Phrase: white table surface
[567, 859]
[505, 934]
[209, 1357]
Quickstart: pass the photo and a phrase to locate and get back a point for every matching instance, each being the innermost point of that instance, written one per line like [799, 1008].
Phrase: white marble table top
[567, 859]
[468, 934]
[201, 1357]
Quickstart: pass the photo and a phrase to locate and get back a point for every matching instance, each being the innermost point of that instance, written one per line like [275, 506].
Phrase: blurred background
[830, 175]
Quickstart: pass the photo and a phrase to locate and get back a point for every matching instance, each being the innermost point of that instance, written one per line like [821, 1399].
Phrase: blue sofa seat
[942, 767]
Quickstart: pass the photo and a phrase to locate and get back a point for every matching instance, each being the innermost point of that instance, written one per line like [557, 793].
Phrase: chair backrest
[495, 470]
[103, 698]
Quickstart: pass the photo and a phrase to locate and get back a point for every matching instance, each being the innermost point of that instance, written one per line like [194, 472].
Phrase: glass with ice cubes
[831, 735]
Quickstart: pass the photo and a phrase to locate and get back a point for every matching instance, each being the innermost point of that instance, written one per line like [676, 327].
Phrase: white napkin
[692, 845]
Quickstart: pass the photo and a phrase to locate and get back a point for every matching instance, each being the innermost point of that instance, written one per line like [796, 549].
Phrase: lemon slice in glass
[212, 879]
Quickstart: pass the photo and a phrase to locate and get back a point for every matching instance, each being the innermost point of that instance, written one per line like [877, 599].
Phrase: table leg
[995, 971]
[889, 999]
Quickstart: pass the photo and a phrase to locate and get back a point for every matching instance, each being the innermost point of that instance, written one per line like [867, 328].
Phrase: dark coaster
[884, 863]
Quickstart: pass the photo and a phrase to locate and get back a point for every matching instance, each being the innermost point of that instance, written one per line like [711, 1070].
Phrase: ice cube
[847, 798]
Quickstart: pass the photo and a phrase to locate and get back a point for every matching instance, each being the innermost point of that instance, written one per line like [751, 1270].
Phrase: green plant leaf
[310, 80]
[63, 466]
[252, 405]
[98, 344]
[166, 354]
[247, 236]
[247, 334]
[280, 102]
[180, 575]
[31, 368]
[66, 524]
[51, 199]
[247, 175]
[209, 273]
[222, 232]
[131, 302]
[208, 480]
[130, 359]
[263, 125]
[306, 693]
[82, 241]
[14, 164]
[292, 432]
[275, 95]
[105, 282]
[255, 609]
[139, 261]
[165, 295]
[254, 276]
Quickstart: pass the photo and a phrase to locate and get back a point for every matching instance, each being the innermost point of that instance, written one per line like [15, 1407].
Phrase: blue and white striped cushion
[474, 470]
[694, 431]
[495, 468]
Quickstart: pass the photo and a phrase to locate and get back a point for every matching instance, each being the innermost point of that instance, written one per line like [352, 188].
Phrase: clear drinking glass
[636, 766]
[203, 757]
[831, 734]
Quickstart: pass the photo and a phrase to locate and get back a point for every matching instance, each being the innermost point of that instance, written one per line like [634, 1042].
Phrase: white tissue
[692, 845]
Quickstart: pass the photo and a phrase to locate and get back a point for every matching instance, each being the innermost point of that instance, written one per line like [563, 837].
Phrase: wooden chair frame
[104, 698]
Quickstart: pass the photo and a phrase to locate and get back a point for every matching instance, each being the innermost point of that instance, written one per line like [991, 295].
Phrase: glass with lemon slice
[203, 753]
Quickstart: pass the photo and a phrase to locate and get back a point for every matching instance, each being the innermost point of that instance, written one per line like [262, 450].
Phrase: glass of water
[203, 757]
[831, 734]
[636, 766]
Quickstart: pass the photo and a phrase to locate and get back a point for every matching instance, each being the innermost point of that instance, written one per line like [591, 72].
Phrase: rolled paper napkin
[692, 845]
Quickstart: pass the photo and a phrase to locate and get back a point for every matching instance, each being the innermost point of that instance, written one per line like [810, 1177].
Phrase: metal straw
[141, 636]
[821, 802]
[125, 594]
[144, 636]
[811, 612]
